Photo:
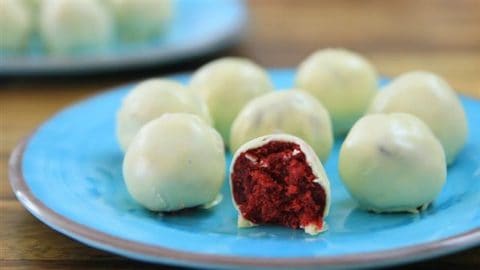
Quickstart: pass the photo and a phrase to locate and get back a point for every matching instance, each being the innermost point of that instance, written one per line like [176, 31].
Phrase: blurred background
[442, 36]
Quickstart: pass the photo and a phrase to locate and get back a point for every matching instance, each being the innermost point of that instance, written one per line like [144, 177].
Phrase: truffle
[392, 163]
[430, 98]
[294, 112]
[278, 179]
[343, 81]
[227, 85]
[15, 25]
[175, 161]
[75, 26]
[149, 100]
[141, 20]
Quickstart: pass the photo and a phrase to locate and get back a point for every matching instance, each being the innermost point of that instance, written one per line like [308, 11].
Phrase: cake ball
[141, 20]
[149, 100]
[175, 161]
[75, 26]
[431, 99]
[34, 7]
[343, 81]
[278, 179]
[392, 163]
[227, 85]
[15, 25]
[294, 112]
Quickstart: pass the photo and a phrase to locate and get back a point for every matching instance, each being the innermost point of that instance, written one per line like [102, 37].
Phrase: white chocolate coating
[75, 26]
[140, 20]
[175, 161]
[293, 111]
[15, 25]
[343, 81]
[312, 160]
[151, 99]
[226, 85]
[431, 99]
[34, 7]
[392, 162]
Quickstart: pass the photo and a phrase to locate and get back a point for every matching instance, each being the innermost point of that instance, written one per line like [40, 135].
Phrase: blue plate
[68, 174]
[198, 27]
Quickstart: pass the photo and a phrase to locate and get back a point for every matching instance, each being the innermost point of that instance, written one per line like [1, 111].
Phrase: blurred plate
[69, 175]
[198, 27]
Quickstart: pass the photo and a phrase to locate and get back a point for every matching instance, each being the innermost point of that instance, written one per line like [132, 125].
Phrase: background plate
[198, 27]
[69, 176]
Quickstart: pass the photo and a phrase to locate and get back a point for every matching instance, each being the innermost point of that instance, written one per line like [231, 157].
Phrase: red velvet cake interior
[273, 184]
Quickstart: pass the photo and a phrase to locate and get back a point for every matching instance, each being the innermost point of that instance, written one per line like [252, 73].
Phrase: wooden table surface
[397, 36]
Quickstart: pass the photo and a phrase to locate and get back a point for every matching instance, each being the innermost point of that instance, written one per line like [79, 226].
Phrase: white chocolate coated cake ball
[33, 6]
[392, 163]
[278, 179]
[75, 26]
[226, 85]
[149, 100]
[294, 112]
[15, 25]
[343, 81]
[431, 99]
[140, 20]
[175, 161]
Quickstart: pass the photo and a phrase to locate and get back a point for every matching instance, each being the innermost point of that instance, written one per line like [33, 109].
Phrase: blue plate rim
[154, 253]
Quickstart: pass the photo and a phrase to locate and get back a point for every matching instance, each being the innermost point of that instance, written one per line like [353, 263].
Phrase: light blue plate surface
[198, 27]
[72, 166]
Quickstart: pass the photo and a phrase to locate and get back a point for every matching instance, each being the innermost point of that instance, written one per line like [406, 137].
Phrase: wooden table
[397, 36]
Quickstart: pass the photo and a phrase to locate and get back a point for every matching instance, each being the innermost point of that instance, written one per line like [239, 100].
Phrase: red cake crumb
[273, 184]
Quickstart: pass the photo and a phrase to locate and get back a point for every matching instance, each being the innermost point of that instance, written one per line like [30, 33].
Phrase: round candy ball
[175, 161]
[75, 26]
[227, 85]
[151, 99]
[15, 25]
[343, 81]
[431, 99]
[294, 112]
[33, 6]
[392, 163]
[278, 179]
[141, 20]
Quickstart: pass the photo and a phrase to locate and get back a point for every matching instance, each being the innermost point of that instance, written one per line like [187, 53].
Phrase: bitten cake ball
[431, 99]
[392, 163]
[75, 26]
[278, 179]
[141, 20]
[15, 25]
[175, 161]
[149, 100]
[294, 112]
[343, 81]
[227, 85]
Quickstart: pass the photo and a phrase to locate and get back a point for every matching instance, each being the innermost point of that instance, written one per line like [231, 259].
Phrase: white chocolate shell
[175, 161]
[430, 98]
[226, 85]
[392, 163]
[15, 26]
[141, 20]
[75, 26]
[293, 112]
[343, 81]
[151, 99]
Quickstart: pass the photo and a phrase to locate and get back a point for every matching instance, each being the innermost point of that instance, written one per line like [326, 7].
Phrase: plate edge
[133, 249]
